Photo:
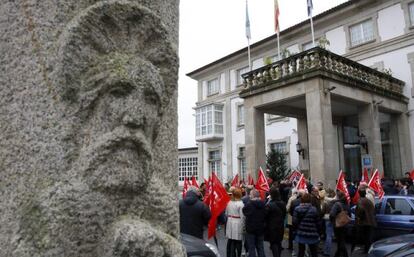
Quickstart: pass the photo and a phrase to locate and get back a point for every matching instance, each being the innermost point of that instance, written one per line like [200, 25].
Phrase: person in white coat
[235, 224]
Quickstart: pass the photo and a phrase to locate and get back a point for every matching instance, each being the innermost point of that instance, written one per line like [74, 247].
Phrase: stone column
[404, 142]
[303, 140]
[323, 157]
[88, 121]
[254, 138]
[368, 119]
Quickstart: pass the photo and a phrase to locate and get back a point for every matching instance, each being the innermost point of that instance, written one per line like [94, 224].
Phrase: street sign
[366, 161]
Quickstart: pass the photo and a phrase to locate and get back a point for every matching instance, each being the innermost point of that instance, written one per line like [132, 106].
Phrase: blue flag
[310, 7]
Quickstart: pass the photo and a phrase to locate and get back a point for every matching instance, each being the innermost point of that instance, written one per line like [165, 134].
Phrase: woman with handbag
[340, 216]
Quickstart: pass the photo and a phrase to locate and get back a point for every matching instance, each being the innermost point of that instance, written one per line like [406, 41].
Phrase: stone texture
[88, 128]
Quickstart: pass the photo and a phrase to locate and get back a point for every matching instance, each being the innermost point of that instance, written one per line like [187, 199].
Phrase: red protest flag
[356, 197]
[375, 184]
[261, 184]
[365, 177]
[412, 175]
[251, 181]
[294, 176]
[207, 194]
[218, 202]
[235, 182]
[301, 185]
[194, 182]
[341, 186]
[185, 187]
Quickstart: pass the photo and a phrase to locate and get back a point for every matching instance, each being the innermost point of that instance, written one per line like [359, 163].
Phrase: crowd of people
[312, 216]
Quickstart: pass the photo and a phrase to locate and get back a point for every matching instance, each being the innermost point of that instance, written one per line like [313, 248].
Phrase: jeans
[328, 240]
[340, 238]
[234, 248]
[255, 242]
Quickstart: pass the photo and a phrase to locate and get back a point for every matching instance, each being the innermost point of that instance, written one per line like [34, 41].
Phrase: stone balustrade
[318, 59]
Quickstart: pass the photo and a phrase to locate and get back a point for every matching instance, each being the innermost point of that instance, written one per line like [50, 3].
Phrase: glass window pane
[411, 9]
[398, 207]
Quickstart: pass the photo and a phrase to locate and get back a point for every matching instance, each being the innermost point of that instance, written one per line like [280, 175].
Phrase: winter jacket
[194, 215]
[337, 208]
[254, 211]
[306, 221]
[365, 213]
[275, 221]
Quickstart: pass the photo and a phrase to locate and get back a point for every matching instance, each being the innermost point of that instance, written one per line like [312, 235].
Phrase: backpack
[342, 219]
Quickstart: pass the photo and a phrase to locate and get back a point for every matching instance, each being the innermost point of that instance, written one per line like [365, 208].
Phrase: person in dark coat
[306, 220]
[340, 232]
[194, 214]
[254, 212]
[275, 221]
[365, 221]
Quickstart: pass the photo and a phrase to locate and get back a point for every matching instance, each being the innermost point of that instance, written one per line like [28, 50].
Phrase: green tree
[276, 162]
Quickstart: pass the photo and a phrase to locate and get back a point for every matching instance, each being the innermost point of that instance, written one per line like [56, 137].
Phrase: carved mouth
[118, 161]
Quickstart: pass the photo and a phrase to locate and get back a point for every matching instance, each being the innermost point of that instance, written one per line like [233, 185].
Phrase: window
[411, 11]
[361, 32]
[214, 159]
[240, 115]
[275, 58]
[187, 167]
[242, 162]
[240, 72]
[274, 118]
[209, 120]
[398, 206]
[307, 46]
[212, 87]
[279, 147]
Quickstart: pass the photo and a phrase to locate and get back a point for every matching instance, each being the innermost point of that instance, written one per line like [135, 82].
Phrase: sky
[211, 29]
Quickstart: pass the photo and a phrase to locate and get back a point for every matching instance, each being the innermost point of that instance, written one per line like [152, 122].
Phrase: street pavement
[285, 253]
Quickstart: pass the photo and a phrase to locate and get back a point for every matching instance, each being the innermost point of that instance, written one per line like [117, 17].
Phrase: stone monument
[88, 128]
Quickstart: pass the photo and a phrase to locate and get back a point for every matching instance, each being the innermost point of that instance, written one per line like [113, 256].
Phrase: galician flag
[248, 35]
[310, 7]
[277, 12]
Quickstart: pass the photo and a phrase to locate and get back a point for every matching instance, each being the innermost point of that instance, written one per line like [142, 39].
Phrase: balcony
[320, 62]
[209, 123]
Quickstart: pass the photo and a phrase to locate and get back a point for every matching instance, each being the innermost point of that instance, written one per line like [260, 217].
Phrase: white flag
[248, 35]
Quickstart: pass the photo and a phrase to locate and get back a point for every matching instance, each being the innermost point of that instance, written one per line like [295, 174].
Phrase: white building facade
[378, 34]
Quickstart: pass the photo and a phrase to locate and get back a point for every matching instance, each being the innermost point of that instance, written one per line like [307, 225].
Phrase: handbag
[342, 219]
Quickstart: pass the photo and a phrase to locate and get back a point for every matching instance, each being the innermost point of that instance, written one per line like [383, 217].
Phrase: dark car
[394, 214]
[197, 247]
[398, 246]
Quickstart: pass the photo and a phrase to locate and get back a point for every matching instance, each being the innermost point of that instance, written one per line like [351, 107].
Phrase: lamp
[300, 150]
[363, 141]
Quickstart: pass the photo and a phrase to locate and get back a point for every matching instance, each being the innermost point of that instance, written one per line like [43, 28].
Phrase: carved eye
[120, 90]
[151, 97]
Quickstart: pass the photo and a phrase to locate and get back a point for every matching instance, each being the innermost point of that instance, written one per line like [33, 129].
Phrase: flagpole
[248, 54]
[278, 46]
[313, 33]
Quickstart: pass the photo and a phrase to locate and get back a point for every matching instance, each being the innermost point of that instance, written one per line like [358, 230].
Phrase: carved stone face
[117, 73]
[122, 102]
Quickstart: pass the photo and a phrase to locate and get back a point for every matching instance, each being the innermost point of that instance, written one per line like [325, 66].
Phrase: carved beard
[119, 161]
